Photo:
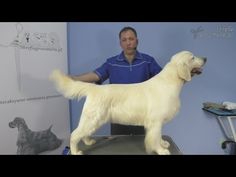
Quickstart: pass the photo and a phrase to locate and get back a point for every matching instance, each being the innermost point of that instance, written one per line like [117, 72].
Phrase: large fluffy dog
[151, 103]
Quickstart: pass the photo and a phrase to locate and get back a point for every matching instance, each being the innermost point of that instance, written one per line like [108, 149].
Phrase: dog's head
[16, 122]
[188, 65]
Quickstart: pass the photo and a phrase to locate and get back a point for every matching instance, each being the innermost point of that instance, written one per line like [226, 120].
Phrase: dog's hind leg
[89, 123]
[83, 132]
[91, 127]
[74, 140]
[77, 135]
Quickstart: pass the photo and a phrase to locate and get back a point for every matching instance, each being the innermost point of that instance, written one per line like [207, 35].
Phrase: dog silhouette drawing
[33, 142]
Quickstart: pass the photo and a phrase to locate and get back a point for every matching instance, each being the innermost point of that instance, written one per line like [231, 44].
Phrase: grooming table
[122, 145]
[221, 114]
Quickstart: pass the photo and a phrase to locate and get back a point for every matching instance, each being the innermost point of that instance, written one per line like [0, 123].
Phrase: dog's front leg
[164, 143]
[162, 146]
[153, 140]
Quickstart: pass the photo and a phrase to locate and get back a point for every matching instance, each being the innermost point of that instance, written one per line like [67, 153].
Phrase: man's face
[128, 42]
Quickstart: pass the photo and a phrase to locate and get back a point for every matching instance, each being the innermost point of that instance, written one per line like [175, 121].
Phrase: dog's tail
[68, 87]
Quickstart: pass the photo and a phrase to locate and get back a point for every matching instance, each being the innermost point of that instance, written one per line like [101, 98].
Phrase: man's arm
[87, 77]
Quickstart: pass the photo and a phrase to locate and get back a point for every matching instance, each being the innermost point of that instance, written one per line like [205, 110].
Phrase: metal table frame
[229, 115]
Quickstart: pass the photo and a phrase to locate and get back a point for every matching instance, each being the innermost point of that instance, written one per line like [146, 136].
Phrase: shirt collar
[121, 56]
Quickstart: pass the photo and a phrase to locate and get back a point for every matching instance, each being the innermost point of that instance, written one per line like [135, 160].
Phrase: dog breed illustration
[32, 142]
[151, 103]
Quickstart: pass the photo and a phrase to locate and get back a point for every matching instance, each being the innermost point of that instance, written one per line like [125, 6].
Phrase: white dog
[151, 103]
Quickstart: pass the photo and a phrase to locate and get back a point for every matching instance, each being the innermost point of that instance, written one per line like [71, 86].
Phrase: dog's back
[44, 140]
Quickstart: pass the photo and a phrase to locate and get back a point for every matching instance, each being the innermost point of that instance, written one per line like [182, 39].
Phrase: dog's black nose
[10, 125]
[204, 59]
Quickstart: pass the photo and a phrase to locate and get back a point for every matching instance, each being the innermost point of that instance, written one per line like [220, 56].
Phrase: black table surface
[221, 112]
[122, 145]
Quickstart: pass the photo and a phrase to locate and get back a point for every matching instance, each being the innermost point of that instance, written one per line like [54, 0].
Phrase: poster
[31, 108]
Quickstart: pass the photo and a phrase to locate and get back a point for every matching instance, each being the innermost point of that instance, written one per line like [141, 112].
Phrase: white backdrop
[28, 54]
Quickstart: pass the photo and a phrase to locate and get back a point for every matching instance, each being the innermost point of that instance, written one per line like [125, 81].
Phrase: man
[130, 66]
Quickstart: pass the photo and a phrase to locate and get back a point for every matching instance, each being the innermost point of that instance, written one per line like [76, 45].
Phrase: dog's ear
[183, 71]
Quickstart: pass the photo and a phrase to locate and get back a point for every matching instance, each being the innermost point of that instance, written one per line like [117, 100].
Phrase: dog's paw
[163, 151]
[165, 144]
[89, 142]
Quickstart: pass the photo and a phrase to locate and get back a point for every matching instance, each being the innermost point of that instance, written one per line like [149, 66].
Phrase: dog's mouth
[11, 125]
[196, 71]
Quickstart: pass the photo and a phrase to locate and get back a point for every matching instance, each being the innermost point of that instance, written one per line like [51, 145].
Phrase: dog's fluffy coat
[151, 103]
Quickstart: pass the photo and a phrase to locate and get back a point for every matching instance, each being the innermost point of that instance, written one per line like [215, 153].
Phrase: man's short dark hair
[127, 28]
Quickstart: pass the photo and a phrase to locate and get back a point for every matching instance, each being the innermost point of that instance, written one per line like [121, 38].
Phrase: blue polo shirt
[120, 71]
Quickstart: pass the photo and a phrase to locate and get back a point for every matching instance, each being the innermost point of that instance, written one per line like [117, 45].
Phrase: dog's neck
[173, 79]
[23, 127]
[23, 132]
[172, 75]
